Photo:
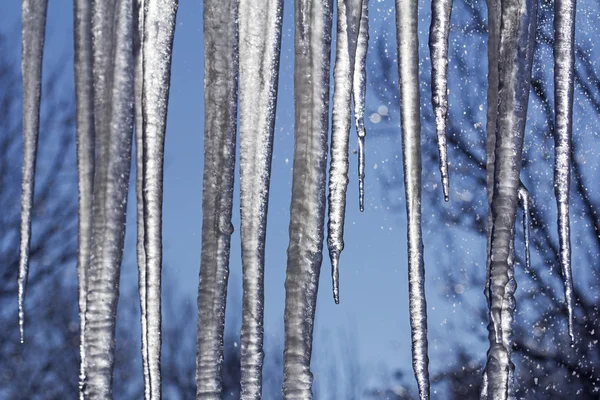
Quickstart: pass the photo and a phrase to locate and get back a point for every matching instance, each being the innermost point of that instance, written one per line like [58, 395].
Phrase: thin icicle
[259, 48]
[33, 19]
[359, 94]
[158, 24]
[312, 47]
[84, 92]
[441, 10]
[564, 68]
[524, 199]
[138, 33]
[408, 70]
[517, 40]
[220, 108]
[111, 180]
[348, 23]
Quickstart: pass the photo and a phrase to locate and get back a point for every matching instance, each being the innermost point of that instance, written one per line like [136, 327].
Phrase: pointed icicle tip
[335, 275]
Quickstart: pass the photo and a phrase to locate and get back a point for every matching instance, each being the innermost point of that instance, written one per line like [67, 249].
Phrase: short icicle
[564, 72]
[158, 29]
[359, 94]
[113, 66]
[33, 20]
[312, 47]
[84, 92]
[348, 23]
[220, 123]
[259, 48]
[517, 40]
[525, 201]
[441, 10]
[408, 70]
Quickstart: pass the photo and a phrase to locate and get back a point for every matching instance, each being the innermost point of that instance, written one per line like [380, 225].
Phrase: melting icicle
[312, 43]
[564, 67]
[441, 10]
[85, 160]
[517, 40]
[524, 198]
[115, 62]
[220, 102]
[33, 19]
[259, 47]
[359, 94]
[138, 33]
[348, 23]
[158, 24]
[408, 70]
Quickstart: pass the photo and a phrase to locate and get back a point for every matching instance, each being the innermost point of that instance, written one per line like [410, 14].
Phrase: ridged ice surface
[158, 27]
[84, 94]
[312, 48]
[441, 10]
[220, 122]
[33, 19]
[359, 95]
[517, 40]
[113, 111]
[564, 72]
[348, 23]
[259, 48]
[408, 70]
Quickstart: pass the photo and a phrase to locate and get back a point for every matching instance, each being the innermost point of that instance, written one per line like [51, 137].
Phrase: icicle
[259, 48]
[113, 79]
[408, 70]
[312, 20]
[220, 102]
[441, 10]
[138, 33]
[359, 93]
[33, 21]
[524, 198]
[517, 40]
[348, 23]
[564, 67]
[85, 160]
[158, 28]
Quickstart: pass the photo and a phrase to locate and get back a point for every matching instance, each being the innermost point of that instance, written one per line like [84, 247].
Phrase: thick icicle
[564, 68]
[220, 108]
[359, 94]
[138, 33]
[348, 23]
[259, 48]
[84, 91]
[33, 19]
[517, 40]
[113, 60]
[312, 42]
[524, 199]
[408, 70]
[158, 24]
[441, 10]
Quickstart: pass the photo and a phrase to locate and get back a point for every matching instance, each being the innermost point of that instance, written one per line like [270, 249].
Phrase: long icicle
[312, 47]
[220, 108]
[158, 26]
[259, 49]
[525, 200]
[111, 180]
[517, 41]
[564, 71]
[33, 20]
[348, 24]
[84, 91]
[408, 70]
[359, 94]
[441, 10]
[138, 33]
